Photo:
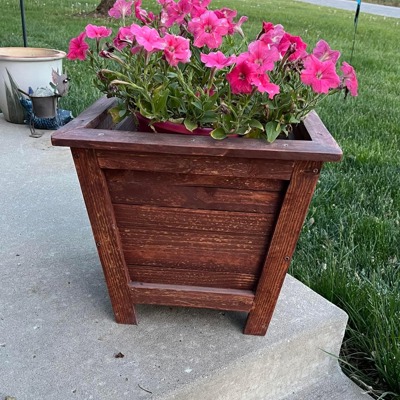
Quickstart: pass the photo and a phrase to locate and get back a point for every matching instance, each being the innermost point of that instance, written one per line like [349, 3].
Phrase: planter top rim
[30, 54]
[84, 132]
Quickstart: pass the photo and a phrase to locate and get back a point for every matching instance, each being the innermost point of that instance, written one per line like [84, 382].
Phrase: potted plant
[190, 220]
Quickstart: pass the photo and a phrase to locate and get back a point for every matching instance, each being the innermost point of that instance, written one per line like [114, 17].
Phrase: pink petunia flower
[264, 85]
[97, 32]
[199, 7]
[123, 37]
[208, 30]
[217, 60]
[147, 37]
[141, 14]
[242, 77]
[177, 49]
[238, 26]
[78, 48]
[323, 52]
[175, 13]
[320, 75]
[349, 78]
[293, 42]
[120, 9]
[262, 56]
[273, 34]
[229, 15]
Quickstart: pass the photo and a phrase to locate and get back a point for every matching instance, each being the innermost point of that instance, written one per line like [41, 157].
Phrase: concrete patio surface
[58, 338]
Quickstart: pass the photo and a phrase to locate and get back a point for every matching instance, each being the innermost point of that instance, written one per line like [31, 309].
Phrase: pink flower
[238, 26]
[120, 9]
[217, 60]
[262, 56]
[320, 75]
[141, 14]
[229, 15]
[349, 78]
[175, 13]
[147, 37]
[267, 26]
[241, 77]
[123, 37]
[208, 30]
[78, 48]
[177, 49]
[323, 52]
[97, 32]
[273, 33]
[294, 43]
[265, 86]
[199, 7]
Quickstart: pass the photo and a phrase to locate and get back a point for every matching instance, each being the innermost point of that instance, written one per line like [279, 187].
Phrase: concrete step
[58, 338]
[295, 359]
[334, 386]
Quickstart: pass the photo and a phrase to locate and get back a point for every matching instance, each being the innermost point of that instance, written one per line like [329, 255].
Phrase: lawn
[349, 250]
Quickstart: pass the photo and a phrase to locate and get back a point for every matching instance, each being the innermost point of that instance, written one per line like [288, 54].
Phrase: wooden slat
[99, 207]
[196, 165]
[179, 276]
[191, 296]
[167, 194]
[206, 258]
[206, 241]
[184, 179]
[283, 243]
[130, 217]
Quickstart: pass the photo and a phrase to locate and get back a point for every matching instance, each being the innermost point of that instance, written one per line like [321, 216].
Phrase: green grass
[349, 250]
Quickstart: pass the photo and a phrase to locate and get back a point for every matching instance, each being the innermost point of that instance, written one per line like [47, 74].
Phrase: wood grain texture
[172, 177]
[130, 217]
[191, 296]
[283, 243]
[192, 277]
[197, 165]
[200, 257]
[99, 207]
[165, 194]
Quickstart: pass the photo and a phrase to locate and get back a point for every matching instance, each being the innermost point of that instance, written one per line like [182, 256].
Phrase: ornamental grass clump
[192, 65]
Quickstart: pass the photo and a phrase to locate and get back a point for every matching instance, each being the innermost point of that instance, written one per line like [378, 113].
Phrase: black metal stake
[22, 7]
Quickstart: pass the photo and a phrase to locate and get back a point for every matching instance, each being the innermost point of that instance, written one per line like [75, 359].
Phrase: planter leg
[106, 235]
[291, 218]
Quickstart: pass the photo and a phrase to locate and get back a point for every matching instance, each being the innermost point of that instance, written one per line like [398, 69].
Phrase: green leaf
[117, 114]
[209, 117]
[176, 120]
[145, 109]
[242, 131]
[256, 124]
[190, 125]
[160, 98]
[218, 134]
[272, 128]
[293, 120]
[197, 104]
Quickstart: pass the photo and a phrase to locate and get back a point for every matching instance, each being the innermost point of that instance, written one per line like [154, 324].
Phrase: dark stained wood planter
[189, 221]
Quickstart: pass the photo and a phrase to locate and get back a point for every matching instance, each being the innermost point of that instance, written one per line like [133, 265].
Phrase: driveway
[367, 8]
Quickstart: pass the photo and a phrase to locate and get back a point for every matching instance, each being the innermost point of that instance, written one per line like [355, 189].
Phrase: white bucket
[28, 67]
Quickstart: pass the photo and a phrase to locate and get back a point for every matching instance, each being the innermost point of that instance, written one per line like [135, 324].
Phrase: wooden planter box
[189, 221]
